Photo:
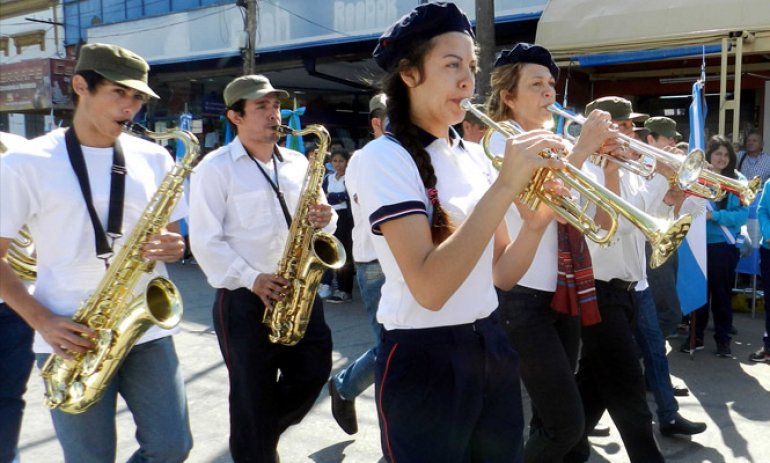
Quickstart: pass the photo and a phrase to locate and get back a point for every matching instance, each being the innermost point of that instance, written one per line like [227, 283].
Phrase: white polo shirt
[393, 189]
[363, 248]
[624, 257]
[237, 227]
[38, 187]
[543, 272]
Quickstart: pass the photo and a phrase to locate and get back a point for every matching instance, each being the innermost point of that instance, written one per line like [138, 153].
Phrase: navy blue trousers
[722, 259]
[449, 394]
[16, 360]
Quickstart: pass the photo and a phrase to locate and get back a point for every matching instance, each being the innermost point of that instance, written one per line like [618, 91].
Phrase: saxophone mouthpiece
[284, 129]
[134, 128]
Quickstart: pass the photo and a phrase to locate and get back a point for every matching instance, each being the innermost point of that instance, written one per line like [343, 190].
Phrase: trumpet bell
[690, 170]
[666, 243]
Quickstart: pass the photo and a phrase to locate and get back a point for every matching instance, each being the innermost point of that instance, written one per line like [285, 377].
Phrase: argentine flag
[691, 277]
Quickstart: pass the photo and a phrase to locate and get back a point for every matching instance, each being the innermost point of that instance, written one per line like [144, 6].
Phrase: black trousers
[548, 345]
[610, 377]
[263, 403]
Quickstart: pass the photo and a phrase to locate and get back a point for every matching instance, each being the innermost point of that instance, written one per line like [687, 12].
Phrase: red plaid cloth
[575, 291]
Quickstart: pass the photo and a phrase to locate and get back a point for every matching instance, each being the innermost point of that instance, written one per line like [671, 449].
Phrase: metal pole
[249, 64]
[485, 35]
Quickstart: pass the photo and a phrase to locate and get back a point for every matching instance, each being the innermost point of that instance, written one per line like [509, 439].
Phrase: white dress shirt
[237, 227]
[363, 248]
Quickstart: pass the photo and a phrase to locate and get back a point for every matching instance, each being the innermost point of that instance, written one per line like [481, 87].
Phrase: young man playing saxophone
[243, 198]
[65, 187]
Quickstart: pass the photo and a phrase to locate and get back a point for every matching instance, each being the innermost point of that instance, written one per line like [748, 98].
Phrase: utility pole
[485, 36]
[248, 51]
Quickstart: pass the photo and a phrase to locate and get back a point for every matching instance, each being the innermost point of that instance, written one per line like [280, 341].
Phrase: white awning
[572, 28]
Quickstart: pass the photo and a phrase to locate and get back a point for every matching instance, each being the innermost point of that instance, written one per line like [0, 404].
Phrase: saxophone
[307, 253]
[117, 313]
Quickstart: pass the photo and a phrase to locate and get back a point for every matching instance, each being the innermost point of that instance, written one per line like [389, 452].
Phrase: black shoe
[723, 350]
[344, 411]
[682, 426]
[599, 430]
[762, 355]
[685, 347]
[680, 391]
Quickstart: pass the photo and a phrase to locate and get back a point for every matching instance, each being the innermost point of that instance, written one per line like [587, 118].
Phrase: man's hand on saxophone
[270, 288]
[166, 246]
[320, 215]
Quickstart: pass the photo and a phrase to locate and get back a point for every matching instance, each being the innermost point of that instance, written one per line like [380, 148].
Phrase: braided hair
[405, 131]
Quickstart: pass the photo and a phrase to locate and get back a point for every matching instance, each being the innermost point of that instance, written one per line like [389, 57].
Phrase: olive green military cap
[117, 64]
[619, 108]
[250, 87]
[662, 126]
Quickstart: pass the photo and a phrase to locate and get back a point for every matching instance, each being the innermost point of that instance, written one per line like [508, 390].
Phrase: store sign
[39, 84]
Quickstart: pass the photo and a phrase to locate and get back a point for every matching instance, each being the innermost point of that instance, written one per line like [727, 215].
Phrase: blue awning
[645, 55]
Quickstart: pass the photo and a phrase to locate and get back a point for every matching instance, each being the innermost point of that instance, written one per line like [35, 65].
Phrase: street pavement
[731, 395]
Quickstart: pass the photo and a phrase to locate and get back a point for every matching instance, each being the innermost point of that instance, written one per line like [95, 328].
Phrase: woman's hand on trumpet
[539, 218]
[522, 158]
[597, 130]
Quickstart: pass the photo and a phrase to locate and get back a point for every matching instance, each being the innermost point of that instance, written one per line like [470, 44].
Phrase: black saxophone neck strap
[274, 184]
[117, 194]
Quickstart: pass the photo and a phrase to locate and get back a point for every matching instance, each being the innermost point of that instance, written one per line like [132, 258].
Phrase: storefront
[653, 53]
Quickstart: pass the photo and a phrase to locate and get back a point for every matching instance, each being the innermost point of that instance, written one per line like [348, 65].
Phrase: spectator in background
[763, 215]
[723, 224]
[337, 195]
[473, 129]
[753, 162]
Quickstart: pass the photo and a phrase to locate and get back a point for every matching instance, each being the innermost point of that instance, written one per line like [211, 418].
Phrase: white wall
[18, 24]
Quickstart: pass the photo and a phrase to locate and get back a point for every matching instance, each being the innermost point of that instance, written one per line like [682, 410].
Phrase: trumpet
[664, 235]
[714, 187]
[688, 170]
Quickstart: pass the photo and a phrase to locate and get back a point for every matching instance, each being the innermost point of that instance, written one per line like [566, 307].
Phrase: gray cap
[250, 87]
[662, 126]
[117, 64]
[378, 101]
[619, 108]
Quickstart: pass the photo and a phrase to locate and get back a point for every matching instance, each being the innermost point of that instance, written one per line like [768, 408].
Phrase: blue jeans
[359, 375]
[16, 359]
[653, 347]
[150, 382]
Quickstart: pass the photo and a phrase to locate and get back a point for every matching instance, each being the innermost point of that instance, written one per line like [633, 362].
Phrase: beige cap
[250, 87]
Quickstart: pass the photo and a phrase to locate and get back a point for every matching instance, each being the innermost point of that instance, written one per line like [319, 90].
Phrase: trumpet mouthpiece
[466, 104]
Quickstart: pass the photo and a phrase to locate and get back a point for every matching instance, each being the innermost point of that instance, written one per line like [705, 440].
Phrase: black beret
[424, 22]
[528, 53]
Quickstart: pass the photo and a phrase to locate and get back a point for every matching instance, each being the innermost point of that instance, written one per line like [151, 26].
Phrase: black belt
[375, 261]
[617, 283]
[442, 334]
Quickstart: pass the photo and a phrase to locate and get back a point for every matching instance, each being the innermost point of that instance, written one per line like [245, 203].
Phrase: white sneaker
[324, 291]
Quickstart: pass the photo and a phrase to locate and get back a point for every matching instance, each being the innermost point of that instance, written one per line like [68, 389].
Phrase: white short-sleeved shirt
[363, 248]
[624, 257]
[543, 272]
[38, 187]
[237, 227]
[393, 189]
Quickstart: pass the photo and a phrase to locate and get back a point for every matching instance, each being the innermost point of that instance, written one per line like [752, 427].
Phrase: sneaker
[723, 350]
[685, 347]
[343, 411]
[339, 297]
[762, 355]
[324, 291]
[680, 425]
[680, 391]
